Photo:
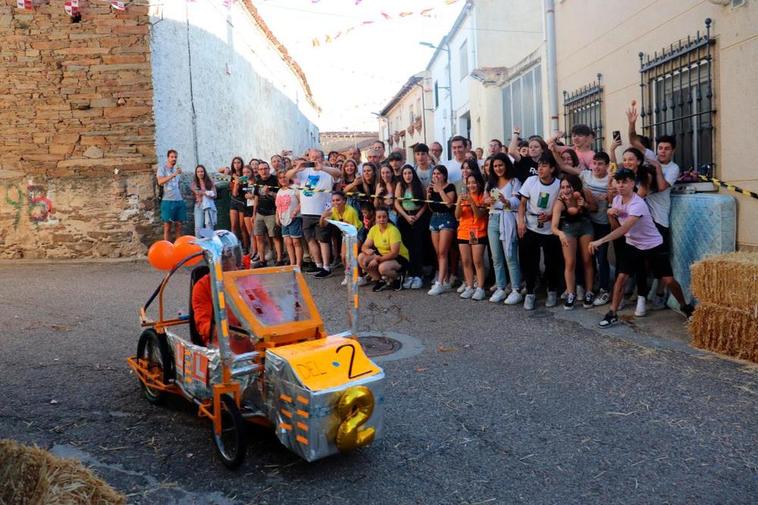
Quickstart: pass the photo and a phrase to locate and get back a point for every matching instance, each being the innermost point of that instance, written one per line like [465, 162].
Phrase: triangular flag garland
[71, 7]
[384, 16]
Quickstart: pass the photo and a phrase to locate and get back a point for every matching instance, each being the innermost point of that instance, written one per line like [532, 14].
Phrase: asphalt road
[500, 406]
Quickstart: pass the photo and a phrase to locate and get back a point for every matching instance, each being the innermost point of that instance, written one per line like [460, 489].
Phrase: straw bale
[725, 330]
[29, 475]
[729, 279]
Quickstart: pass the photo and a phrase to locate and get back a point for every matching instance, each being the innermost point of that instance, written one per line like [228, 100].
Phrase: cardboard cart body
[274, 365]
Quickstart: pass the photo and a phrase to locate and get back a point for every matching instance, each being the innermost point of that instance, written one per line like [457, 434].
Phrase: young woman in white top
[503, 200]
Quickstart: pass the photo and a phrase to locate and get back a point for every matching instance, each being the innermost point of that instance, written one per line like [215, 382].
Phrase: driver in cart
[202, 306]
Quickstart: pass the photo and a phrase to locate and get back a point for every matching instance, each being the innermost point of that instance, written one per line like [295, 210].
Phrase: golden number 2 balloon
[355, 408]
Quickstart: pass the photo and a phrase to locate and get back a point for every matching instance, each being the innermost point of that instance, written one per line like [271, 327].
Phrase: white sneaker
[479, 294]
[552, 299]
[437, 289]
[579, 292]
[602, 298]
[498, 296]
[514, 298]
[641, 310]
[529, 302]
[362, 281]
[467, 293]
[344, 281]
[461, 288]
[417, 283]
[407, 282]
[564, 295]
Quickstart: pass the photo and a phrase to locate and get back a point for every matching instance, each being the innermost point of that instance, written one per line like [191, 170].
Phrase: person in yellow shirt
[383, 255]
[339, 211]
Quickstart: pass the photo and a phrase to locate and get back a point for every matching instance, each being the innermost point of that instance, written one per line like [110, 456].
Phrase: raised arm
[513, 146]
[565, 167]
[631, 115]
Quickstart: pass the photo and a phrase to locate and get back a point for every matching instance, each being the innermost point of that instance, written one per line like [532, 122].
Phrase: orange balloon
[161, 255]
[185, 249]
[184, 239]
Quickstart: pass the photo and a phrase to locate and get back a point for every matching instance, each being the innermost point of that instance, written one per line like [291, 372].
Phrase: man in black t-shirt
[266, 186]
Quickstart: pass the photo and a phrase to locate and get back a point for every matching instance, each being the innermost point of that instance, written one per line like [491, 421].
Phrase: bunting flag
[71, 7]
[118, 5]
[24, 4]
[383, 16]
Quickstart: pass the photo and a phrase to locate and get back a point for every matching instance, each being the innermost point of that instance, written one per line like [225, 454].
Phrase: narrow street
[483, 404]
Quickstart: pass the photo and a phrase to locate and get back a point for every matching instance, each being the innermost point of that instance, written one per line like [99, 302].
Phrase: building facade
[405, 120]
[89, 108]
[688, 64]
[486, 73]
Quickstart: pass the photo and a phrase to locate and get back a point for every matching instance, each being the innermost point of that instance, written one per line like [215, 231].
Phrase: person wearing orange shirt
[472, 235]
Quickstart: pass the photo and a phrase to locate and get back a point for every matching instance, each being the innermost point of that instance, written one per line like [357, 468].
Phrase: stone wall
[223, 88]
[77, 146]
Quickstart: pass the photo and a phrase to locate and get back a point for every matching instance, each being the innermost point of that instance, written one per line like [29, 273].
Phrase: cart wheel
[155, 350]
[230, 445]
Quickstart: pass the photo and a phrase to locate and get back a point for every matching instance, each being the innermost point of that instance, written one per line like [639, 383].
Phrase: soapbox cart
[271, 362]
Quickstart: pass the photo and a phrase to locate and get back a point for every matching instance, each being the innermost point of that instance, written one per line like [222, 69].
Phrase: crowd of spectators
[528, 215]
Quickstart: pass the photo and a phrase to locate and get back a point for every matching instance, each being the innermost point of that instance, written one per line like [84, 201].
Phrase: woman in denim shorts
[571, 223]
[442, 224]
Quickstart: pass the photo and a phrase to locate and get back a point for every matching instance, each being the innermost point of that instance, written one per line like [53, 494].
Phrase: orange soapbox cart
[271, 362]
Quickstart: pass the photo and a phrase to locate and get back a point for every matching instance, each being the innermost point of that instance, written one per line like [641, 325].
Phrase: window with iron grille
[677, 99]
[584, 106]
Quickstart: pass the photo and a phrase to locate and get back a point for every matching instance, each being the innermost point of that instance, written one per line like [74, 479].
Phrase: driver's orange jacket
[202, 308]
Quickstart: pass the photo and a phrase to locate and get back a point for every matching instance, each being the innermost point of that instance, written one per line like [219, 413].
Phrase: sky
[360, 71]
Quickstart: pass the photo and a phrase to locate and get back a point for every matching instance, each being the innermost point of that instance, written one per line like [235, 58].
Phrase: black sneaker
[310, 268]
[323, 273]
[609, 320]
[259, 264]
[379, 286]
[397, 284]
[568, 303]
[687, 309]
[589, 300]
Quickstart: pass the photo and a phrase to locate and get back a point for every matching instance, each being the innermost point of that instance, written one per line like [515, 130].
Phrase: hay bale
[730, 280]
[33, 476]
[725, 330]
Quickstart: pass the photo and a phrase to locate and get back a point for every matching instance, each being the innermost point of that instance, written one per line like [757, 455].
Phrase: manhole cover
[379, 346]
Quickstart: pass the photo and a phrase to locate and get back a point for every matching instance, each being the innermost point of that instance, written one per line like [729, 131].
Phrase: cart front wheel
[230, 443]
[155, 350]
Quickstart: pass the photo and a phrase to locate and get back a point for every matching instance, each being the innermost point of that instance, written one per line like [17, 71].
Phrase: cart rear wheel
[231, 444]
[155, 350]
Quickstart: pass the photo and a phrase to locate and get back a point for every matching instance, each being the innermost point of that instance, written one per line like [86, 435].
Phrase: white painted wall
[499, 42]
[438, 73]
[247, 100]
[458, 79]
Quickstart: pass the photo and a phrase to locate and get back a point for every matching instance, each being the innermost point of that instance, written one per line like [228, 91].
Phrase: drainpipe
[552, 76]
[191, 90]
